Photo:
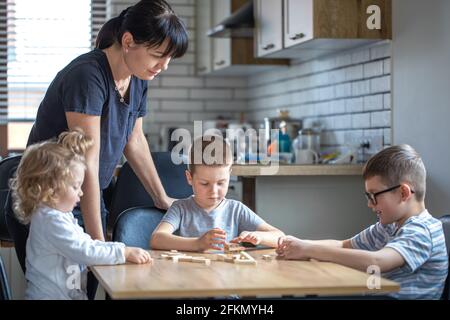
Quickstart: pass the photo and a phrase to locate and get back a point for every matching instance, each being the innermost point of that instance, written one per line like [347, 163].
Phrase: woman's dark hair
[150, 22]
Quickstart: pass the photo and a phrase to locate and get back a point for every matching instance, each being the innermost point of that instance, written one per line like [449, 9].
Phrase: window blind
[37, 39]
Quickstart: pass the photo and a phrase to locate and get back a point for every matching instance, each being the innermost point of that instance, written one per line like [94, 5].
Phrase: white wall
[421, 90]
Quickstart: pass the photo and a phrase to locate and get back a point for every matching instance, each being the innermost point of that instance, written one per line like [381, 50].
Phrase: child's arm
[81, 248]
[265, 234]
[164, 239]
[333, 243]
[386, 259]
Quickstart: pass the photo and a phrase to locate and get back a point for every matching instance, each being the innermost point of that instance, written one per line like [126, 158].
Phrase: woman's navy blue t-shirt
[87, 86]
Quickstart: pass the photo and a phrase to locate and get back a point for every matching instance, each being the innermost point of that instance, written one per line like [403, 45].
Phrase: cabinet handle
[298, 36]
[201, 69]
[220, 63]
[269, 46]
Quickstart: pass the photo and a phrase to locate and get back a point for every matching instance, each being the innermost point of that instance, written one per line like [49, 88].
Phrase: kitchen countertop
[251, 170]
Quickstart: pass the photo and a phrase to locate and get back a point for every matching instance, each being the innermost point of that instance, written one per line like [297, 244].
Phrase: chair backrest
[446, 226]
[135, 226]
[7, 168]
[5, 292]
[16, 232]
[130, 193]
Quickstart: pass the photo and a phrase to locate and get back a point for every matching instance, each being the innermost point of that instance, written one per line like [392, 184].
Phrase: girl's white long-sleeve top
[57, 253]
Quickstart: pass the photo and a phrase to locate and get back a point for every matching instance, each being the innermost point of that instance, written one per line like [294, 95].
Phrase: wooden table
[165, 279]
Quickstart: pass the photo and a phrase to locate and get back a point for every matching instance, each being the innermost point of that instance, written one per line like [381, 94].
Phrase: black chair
[16, 231]
[7, 168]
[129, 192]
[5, 292]
[446, 226]
[135, 226]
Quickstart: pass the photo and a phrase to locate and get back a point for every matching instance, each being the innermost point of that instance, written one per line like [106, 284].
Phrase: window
[37, 39]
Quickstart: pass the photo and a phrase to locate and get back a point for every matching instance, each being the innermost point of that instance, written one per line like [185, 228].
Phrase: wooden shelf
[296, 170]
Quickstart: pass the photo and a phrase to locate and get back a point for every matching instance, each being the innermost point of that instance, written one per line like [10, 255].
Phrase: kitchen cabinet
[204, 44]
[307, 29]
[225, 56]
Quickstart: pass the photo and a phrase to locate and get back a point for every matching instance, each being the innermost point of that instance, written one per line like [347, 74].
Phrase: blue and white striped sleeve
[414, 243]
[371, 239]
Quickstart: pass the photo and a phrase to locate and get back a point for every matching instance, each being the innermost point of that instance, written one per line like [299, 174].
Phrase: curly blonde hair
[45, 171]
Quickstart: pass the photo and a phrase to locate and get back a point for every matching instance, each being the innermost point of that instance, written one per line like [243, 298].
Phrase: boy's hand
[137, 255]
[211, 240]
[292, 248]
[247, 236]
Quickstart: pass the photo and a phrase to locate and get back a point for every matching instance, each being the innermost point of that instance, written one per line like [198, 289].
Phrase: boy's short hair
[211, 151]
[398, 164]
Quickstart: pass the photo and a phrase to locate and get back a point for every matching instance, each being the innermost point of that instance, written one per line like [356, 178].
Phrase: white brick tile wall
[355, 73]
[374, 102]
[361, 88]
[181, 82]
[387, 101]
[208, 93]
[373, 69]
[387, 66]
[354, 105]
[382, 84]
[381, 119]
[181, 105]
[360, 120]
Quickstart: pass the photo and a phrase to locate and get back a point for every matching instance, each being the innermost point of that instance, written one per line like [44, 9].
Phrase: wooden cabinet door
[221, 47]
[269, 26]
[298, 21]
[204, 43]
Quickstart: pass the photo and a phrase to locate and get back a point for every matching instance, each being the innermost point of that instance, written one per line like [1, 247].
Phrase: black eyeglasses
[372, 197]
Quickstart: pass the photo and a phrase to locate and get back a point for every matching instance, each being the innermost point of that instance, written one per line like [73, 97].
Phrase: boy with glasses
[407, 244]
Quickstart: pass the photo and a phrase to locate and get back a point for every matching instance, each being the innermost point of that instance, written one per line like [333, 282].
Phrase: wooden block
[201, 260]
[232, 247]
[250, 262]
[175, 259]
[174, 254]
[268, 257]
[164, 256]
[246, 256]
[184, 258]
[173, 250]
[221, 257]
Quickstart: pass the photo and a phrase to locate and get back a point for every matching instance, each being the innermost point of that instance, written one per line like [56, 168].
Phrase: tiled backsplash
[349, 93]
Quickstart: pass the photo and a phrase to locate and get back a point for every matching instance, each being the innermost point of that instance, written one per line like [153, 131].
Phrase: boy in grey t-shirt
[207, 219]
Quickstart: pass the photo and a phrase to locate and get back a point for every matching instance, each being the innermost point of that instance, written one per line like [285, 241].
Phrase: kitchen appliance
[290, 126]
[308, 138]
[239, 25]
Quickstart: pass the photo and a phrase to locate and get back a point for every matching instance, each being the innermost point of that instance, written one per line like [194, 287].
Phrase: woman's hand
[137, 255]
[164, 203]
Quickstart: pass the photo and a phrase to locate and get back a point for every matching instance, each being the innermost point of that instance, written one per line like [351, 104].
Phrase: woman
[104, 92]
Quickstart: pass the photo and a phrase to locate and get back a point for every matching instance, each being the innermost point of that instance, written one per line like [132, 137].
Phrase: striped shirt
[421, 243]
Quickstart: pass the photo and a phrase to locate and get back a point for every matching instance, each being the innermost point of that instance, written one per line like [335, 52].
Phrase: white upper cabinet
[308, 29]
[204, 46]
[221, 9]
[269, 26]
[298, 21]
